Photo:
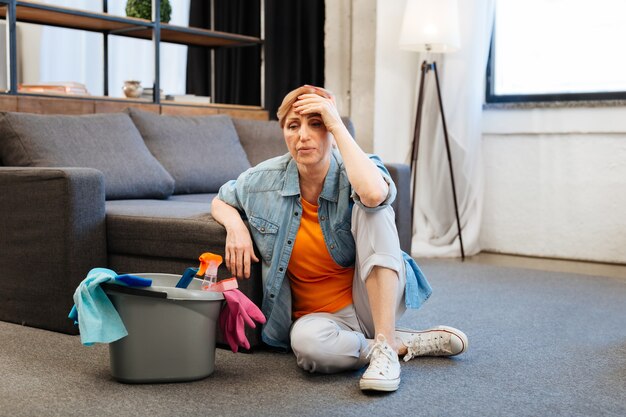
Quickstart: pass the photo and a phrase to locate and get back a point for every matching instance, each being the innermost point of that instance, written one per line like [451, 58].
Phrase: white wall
[555, 183]
[397, 73]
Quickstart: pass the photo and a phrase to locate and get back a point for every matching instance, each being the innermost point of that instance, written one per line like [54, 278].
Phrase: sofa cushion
[167, 229]
[201, 152]
[107, 142]
[205, 198]
[261, 139]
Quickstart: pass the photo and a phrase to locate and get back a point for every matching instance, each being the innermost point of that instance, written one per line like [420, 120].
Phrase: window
[548, 50]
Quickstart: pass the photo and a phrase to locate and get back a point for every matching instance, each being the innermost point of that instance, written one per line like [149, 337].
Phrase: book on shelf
[148, 93]
[189, 98]
[65, 87]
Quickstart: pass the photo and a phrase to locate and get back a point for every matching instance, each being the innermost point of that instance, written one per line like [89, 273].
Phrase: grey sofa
[130, 191]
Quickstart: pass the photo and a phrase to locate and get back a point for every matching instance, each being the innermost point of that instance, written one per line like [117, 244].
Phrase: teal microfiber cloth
[94, 313]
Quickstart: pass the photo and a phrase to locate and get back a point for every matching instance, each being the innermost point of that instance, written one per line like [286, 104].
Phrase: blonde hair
[292, 97]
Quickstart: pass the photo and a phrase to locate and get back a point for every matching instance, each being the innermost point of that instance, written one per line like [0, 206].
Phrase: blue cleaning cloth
[94, 313]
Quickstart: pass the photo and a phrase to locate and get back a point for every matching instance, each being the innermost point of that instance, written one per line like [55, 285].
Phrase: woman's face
[308, 140]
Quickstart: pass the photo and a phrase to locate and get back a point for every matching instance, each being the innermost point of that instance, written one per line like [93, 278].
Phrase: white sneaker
[437, 341]
[383, 372]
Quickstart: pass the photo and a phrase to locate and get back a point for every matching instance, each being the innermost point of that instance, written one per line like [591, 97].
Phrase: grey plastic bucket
[171, 331]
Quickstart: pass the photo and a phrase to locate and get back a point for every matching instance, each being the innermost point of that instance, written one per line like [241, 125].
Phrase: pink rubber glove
[238, 312]
[233, 326]
[224, 317]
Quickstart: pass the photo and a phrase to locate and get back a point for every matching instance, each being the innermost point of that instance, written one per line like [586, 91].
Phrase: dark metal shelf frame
[44, 14]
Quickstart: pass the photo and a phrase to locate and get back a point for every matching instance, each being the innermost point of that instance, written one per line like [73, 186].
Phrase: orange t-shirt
[318, 284]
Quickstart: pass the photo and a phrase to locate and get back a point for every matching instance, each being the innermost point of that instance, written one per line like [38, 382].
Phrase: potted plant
[143, 9]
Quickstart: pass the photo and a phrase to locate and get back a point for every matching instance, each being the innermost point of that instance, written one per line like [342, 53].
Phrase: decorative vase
[132, 89]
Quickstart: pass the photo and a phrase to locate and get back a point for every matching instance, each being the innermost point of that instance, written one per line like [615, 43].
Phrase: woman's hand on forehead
[321, 92]
[321, 102]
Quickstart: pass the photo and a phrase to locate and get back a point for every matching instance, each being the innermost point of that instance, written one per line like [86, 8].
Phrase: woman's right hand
[239, 251]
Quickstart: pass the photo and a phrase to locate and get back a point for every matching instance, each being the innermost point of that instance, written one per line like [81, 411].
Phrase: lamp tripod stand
[416, 139]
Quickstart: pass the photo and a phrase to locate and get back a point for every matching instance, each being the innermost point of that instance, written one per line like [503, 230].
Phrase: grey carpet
[541, 344]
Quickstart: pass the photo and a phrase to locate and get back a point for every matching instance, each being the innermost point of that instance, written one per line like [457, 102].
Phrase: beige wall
[350, 62]
[337, 45]
[28, 37]
[373, 79]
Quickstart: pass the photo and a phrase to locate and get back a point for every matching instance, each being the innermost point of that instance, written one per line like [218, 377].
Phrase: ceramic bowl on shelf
[132, 89]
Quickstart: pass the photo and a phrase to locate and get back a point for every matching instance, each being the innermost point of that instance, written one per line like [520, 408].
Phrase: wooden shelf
[204, 37]
[44, 14]
[63, 104]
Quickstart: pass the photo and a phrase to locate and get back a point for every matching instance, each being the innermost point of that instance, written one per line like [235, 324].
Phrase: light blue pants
[335, 342]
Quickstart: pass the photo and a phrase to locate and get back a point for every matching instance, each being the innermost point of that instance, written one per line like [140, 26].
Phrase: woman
[334, 277]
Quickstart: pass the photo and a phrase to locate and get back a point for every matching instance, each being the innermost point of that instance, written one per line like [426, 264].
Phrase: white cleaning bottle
[210, 275]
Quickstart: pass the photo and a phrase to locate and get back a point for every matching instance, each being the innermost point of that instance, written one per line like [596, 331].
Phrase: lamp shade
[431, 26]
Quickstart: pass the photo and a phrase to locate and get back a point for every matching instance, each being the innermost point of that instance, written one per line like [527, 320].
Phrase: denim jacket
[268, 195]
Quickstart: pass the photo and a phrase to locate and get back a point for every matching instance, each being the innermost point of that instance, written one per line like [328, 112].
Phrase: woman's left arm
[363, 174]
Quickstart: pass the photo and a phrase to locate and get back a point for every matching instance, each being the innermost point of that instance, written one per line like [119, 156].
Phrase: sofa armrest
[401, 175]
[52, 232]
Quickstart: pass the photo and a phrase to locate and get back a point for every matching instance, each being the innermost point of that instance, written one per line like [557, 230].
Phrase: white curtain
[73, 55]
[462, 80]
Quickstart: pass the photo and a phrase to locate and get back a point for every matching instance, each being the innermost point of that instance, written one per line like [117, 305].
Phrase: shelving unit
[44, 14]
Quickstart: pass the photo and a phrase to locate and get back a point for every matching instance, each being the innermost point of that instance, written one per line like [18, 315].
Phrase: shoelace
[381, 357]
[427, 345]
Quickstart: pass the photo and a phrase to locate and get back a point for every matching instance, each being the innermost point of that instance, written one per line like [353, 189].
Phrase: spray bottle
[209, 263]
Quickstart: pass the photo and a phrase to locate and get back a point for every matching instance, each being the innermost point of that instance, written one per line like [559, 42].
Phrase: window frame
[492, 97]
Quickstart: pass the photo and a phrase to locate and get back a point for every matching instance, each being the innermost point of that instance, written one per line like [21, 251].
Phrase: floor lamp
[431, 26]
